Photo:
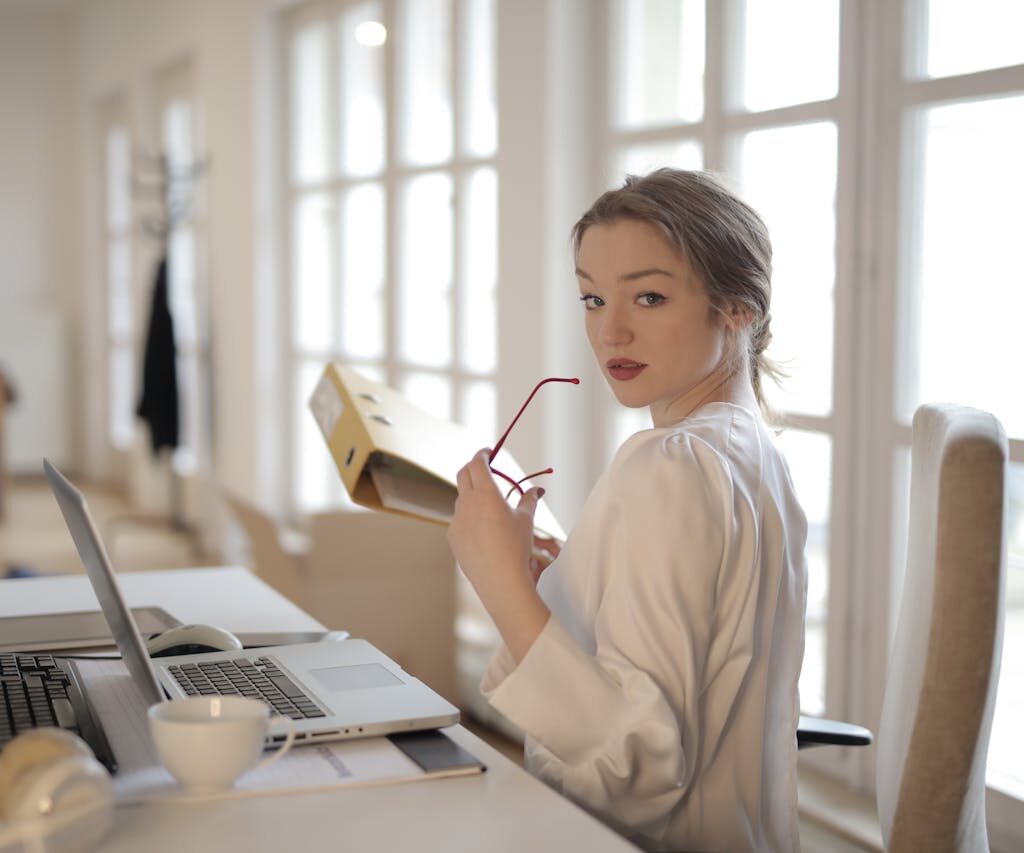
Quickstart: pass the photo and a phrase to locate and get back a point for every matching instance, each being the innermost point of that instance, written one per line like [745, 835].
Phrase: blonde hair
[723, 238]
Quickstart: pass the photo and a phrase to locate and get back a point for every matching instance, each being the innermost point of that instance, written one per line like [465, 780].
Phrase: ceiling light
[371, 33]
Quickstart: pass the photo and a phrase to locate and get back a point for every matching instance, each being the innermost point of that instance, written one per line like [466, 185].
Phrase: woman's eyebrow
[630, 276]
[633, 276]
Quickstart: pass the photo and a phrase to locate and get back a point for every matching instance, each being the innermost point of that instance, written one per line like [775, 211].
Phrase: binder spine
[342, 426]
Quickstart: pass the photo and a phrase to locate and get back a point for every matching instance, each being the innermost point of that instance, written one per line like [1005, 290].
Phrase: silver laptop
[331, 690]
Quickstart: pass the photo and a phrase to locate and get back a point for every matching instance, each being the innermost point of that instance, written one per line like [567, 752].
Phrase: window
[185, 220]
[117, 240]
[392, 192]
[879, 142]
[961, 104]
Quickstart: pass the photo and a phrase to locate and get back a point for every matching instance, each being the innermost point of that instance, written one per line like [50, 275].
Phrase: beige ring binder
[393, 455]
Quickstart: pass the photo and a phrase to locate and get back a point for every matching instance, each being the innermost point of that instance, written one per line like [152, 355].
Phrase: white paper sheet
[141, 778]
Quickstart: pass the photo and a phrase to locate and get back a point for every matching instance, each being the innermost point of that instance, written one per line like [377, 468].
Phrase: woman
[654, 665]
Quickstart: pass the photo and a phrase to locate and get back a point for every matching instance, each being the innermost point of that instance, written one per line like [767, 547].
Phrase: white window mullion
[394, 22]
[719, 55]
[459, 178]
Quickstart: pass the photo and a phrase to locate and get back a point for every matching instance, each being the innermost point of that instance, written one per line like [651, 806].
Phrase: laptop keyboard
[33, 693]
[39, 690]
[259, 678]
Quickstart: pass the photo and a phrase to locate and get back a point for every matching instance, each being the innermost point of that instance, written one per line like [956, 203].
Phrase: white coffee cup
[207, 742]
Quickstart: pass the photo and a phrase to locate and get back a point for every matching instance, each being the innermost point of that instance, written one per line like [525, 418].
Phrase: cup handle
[284, 747]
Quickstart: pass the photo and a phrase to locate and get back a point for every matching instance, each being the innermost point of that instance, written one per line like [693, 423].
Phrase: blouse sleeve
[620, 730]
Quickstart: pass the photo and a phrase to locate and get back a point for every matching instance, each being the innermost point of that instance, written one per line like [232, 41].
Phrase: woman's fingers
[464, 479]
[475, 472]
[528, 502]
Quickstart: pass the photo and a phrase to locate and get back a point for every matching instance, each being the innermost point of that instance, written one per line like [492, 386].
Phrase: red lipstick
[624, 369]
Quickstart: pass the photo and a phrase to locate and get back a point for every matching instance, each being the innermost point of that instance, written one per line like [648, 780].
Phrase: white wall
[123, 47]
[37, 194]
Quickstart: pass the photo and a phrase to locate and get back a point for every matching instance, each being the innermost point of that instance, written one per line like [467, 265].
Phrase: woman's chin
[630, 401]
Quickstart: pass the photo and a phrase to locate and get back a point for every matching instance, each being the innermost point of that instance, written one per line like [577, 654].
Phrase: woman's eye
[650, 299]
[590, 301]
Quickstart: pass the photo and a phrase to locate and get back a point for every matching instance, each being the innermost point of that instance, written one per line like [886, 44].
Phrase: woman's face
[648, 317]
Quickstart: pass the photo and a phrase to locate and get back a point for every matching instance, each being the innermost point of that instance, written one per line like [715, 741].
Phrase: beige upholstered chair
[278, 555]
[941, 686]
[942, 677]
[389, 580]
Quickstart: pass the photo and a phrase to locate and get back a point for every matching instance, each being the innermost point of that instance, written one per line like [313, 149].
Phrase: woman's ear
[738, 317]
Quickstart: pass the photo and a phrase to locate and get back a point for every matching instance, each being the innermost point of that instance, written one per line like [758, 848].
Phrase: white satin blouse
[662, 694]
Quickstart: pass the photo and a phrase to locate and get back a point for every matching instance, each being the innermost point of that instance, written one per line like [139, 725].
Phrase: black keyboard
[259, 678]
[40, 690]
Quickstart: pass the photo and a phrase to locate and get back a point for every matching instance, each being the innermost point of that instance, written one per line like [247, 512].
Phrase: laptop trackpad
[358, 677]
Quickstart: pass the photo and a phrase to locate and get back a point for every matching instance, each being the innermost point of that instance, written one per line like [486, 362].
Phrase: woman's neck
[722, 385]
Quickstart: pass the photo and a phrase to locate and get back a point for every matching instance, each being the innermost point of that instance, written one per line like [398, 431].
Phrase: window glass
[646, 157]
[659, 61]
[789, 176]
[181, 284]
[965, 324]
[177, 134]
[309, 102]
[790, 52]
[972, 35]
[480, 125]
[189, 378]
[315, 471]
[122, 406]
[362, 89]
[478, 333]
[809, 456]
[425, 81]
[362, 281]
[429, 391]
[313, 305]
[119, 287]
[900, 529]
[426, 277]
[624, 423]
[118, 179]
[477, 410]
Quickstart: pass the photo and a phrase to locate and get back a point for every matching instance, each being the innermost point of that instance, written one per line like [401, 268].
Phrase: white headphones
[54, 794]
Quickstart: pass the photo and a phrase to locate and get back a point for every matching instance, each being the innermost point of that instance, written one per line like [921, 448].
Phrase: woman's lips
[624, 369]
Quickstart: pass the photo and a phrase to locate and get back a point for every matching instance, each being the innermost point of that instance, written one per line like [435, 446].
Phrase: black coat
[158, 404]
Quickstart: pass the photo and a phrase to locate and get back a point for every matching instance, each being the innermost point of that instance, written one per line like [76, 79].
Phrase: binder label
[326, 405]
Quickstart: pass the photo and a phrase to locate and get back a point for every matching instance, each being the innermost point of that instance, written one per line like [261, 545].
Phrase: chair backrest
[941, 684]
[273, 563]
[390, 580]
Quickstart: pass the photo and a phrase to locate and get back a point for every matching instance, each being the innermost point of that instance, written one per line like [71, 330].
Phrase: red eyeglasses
[516, 487]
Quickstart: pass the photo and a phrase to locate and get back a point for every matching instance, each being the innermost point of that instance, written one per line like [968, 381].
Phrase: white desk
[505, 809]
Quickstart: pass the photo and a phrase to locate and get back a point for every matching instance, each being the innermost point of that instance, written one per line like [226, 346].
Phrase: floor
[33, 536]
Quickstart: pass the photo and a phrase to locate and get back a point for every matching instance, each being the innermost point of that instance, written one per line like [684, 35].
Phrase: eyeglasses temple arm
[504, 435]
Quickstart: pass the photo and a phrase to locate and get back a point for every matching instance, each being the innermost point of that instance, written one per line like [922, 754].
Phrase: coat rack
[165, 192]
[171, 186]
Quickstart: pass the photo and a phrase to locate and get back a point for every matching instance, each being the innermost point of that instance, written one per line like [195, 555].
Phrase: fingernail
[540, 492]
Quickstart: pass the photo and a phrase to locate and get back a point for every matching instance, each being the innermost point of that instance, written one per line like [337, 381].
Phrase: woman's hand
[492, 543]
[545, 551]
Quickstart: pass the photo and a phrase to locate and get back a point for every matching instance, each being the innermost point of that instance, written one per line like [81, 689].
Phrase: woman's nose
[615, 330]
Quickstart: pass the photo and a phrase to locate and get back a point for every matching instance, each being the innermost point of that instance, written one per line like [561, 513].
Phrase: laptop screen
[104, 583]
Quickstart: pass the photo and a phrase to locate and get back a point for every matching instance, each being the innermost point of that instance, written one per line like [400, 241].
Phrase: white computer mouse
[192, 640]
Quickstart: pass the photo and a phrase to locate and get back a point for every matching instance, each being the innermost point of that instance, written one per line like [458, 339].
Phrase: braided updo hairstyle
[724, 240]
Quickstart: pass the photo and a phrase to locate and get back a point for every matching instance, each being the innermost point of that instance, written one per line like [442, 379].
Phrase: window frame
[176, 83]
[393, 177]
[113, 114]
